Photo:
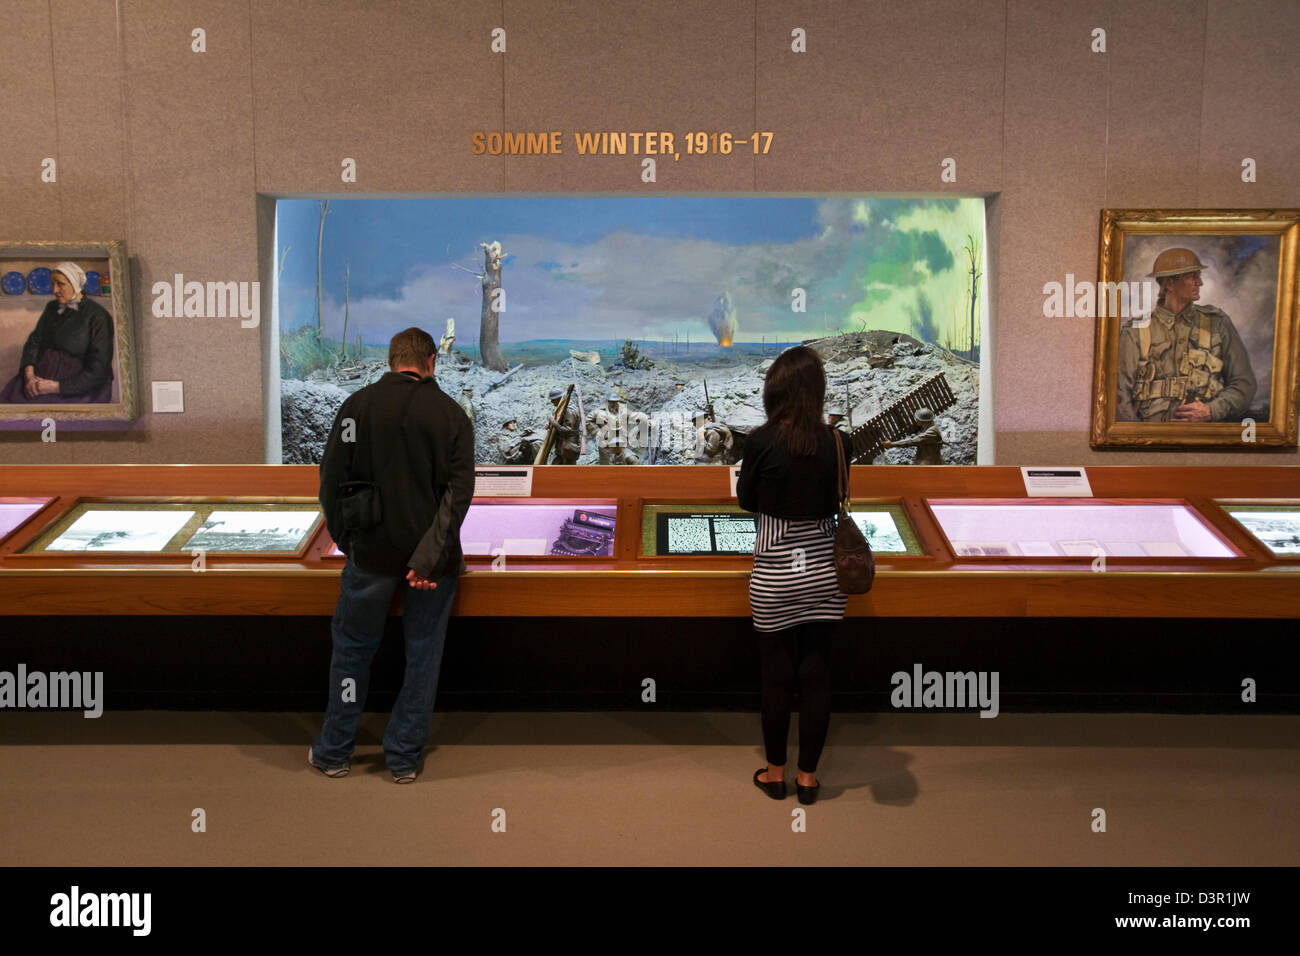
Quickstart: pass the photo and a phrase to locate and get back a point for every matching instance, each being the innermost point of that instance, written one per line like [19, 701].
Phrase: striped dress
[794, 573]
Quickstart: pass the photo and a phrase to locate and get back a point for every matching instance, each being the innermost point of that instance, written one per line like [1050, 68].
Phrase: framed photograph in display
[184, 527]
[1197, 340]
[1274, 524]
[67, 342]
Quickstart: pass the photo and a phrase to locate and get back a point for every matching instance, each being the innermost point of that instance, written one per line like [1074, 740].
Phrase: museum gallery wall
[186, 127]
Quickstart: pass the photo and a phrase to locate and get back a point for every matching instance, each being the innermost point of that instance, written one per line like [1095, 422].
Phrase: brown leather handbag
[855, 565]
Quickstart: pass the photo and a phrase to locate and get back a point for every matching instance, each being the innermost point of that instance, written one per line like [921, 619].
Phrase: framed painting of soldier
[1197, 338]
[66, 344]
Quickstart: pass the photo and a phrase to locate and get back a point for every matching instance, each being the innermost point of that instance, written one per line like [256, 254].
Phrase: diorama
[641, 327]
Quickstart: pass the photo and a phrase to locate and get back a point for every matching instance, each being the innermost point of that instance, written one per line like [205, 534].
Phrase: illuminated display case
[1078, 528]
[533, 527]
[1274, 524]
[683, 529]
[1192, 542]
[16, 512]
[179, 526]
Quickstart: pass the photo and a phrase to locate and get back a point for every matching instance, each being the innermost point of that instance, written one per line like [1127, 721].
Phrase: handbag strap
[841, 472]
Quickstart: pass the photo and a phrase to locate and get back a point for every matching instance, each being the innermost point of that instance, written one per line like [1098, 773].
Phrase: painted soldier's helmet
[1174, 262]
[613, 397]
[699, 413]
[924, 415]
[835, 408]
[555, 393]
[507, 423]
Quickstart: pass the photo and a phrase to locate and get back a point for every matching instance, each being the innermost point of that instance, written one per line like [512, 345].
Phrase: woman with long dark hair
[789, 477]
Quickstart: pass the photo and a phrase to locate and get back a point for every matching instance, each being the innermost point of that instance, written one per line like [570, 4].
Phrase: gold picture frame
[19, 313]
[1249, 264]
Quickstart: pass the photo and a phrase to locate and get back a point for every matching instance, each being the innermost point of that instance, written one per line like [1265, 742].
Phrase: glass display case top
[700, 529]
[265, 528]
[530, 528]
[1275, 525]
[15, 511]
[1014, 528]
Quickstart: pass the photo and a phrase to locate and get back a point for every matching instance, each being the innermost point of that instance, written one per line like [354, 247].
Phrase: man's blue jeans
[358, 628]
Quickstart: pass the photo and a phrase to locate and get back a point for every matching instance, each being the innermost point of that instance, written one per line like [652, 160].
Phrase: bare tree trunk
[972, 251]
[489, 350]
[320, 245]
[347, 305]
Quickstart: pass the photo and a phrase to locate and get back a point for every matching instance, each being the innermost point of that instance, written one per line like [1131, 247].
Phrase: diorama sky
[605, 268]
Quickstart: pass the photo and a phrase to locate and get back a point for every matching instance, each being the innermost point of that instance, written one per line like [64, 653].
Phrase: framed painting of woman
[67, 348]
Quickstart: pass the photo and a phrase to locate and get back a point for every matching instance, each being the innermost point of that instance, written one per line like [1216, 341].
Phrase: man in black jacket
[415, 445]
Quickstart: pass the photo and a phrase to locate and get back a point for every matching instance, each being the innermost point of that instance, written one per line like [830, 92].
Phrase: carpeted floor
[656, 789]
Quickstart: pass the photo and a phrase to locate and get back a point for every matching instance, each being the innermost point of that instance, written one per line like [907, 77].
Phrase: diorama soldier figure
[611, 430]
[466, 402]
[566, 441]
[1185, 362]
[512, 447]
[713, 440]
[835, 416]
[640, 435]
[927, 441]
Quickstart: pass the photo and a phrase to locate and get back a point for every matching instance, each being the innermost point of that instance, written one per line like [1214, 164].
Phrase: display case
[16, 512]
[1074, 528]
[1274, 524]
[686, 529]
[536, 528]
[178, 526]
[665, 542]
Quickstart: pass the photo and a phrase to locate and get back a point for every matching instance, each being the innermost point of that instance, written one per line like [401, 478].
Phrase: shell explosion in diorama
[643, 327]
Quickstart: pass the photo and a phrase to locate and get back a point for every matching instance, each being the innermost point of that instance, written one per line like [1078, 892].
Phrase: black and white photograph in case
[1279, 531]
[134, 530]
[254, 530]
[880, 531]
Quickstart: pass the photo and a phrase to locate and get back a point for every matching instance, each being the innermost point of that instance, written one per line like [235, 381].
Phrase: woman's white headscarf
[74, 274]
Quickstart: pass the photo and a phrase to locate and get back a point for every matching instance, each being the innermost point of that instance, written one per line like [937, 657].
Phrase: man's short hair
[411, 347]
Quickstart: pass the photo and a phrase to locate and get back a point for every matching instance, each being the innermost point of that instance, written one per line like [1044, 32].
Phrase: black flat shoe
[808, 795]
[774, 790]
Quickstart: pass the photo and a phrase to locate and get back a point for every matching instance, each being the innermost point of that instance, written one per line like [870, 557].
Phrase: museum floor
[657, 789]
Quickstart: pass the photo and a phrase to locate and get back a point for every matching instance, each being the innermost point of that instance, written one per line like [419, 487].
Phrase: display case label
[498, 482]
[1056, 482]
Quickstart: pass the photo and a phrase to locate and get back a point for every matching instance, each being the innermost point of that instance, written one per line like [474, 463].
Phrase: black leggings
[799, 654]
